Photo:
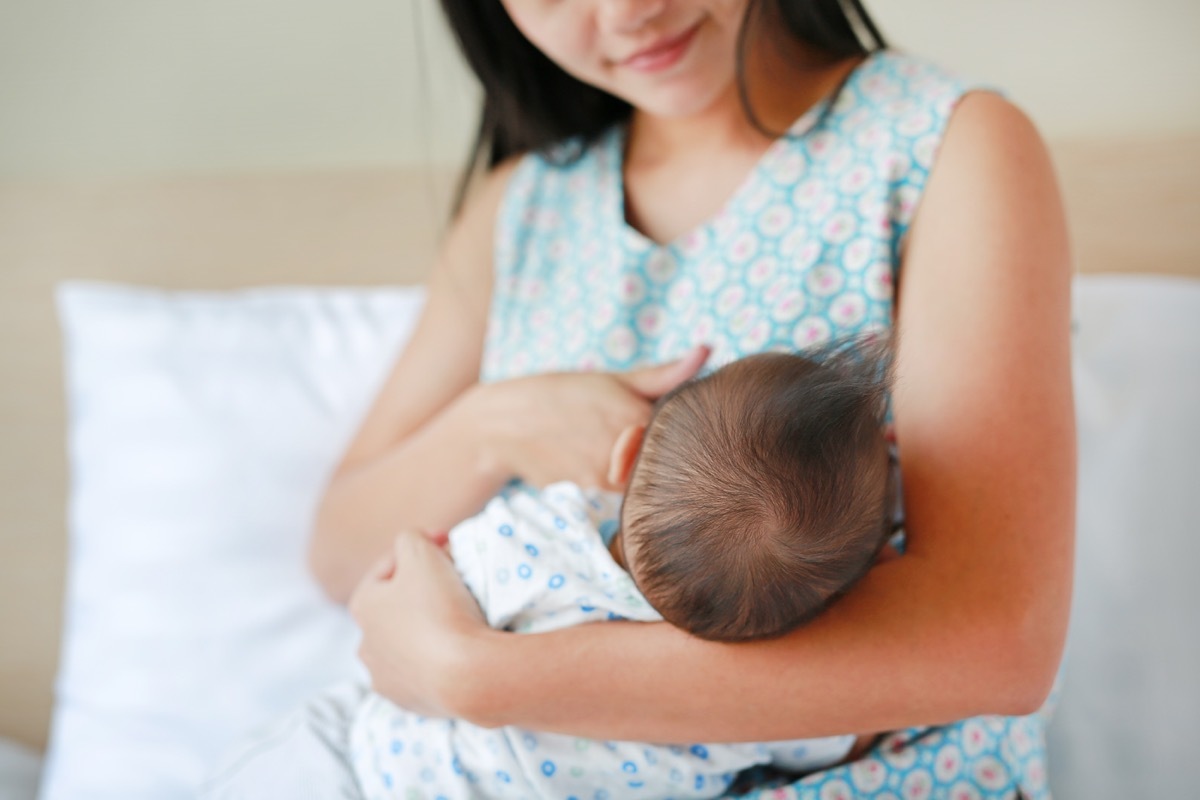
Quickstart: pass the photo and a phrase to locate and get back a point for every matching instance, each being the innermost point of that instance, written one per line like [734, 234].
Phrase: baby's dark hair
[762, 491]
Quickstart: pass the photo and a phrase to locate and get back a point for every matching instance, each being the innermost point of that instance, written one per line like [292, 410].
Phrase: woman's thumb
[654, 382]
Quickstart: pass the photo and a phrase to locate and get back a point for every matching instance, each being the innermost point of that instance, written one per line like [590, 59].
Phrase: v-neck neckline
[803, 125]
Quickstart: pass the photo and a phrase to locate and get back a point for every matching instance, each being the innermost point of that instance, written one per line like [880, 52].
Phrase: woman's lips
[663, 54]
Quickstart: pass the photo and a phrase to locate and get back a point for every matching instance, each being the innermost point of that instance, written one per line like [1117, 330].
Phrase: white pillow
[202, 427]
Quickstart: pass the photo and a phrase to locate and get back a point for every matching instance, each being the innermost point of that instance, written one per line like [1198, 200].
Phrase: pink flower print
[650, 321]
[824, 206]
[730, 299]
[761, 270]
[896, 166]
[825, 280]
[897, 753]
[702, 331]
[974, 737]
[576, 338]
[743, 247]
[774, 220]
[789, 168]
[1035, 772]
[856, 179]
[789, 307]
[925, 149]
[540, 318]
[742, 319]
[990, 773]
[712, 275]
[680, 295]
[948, 762]
[776, 289]
[606, 312]
[877, 86]
[620, 344]
[725, 225]
[532, 289]
[840, 160]
[905, 202]
[859, 118]
[807, 255]
[807, 193]
[857, 254]
[841, 227]
[873, 137]
[589, 363]
[837, 789]
[1022, 743]
[694, 243]
[810, 333]
[878, 281]
[660, 266]
[914, 123]
[821, 143]
[917, 786]
[753, 341]
[758, 197]
[631, 290]
[964, 791]
[848, 309]
[868, 775]
[558, 249]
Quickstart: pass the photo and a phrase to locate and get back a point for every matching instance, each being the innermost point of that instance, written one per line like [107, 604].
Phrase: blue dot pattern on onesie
[806, 250]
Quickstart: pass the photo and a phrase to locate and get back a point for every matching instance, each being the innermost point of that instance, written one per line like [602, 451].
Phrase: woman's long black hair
[530, 103]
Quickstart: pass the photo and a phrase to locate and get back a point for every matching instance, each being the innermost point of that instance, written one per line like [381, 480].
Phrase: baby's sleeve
[806, 755]
[488, 553]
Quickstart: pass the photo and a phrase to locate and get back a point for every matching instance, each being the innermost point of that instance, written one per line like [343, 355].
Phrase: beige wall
[130, 87]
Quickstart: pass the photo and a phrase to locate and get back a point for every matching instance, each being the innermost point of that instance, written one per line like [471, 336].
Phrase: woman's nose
[627, 16]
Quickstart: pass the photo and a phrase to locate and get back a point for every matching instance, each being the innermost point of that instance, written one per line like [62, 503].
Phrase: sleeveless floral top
[807, 249]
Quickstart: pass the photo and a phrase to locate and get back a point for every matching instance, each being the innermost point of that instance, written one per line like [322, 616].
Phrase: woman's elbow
[1031, 649]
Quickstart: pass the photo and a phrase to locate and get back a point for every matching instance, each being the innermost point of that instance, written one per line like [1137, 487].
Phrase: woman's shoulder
[909, 95]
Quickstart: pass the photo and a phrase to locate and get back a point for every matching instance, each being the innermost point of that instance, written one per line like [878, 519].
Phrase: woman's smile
[662, 54]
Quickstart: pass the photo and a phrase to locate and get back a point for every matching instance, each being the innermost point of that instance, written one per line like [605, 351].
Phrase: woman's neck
[781, 87]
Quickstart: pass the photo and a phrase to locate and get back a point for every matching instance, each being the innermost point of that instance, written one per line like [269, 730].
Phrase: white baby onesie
[537, 561]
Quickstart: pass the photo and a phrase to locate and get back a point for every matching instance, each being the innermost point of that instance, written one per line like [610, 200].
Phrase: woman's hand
[417, 620]
[562, 426]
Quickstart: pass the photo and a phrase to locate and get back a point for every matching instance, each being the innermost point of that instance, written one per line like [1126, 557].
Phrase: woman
[633, 148]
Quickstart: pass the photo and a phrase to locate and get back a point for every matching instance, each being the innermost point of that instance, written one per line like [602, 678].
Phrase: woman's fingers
[654, 382]
[412, 622]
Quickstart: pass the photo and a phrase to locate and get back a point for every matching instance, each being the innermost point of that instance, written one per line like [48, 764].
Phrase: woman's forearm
[432, 480]
[888, 656]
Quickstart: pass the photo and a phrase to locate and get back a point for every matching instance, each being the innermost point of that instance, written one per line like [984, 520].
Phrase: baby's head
[759, 493]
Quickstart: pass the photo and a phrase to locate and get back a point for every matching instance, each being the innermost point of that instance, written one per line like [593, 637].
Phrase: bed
[1133, 207]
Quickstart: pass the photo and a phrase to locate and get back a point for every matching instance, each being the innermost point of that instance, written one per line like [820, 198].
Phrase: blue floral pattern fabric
[806, 250]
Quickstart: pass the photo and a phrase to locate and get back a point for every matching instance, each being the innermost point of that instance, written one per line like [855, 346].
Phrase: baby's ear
[624, 453]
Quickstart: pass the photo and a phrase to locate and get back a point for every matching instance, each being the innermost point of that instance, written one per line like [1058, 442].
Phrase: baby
[755, 497]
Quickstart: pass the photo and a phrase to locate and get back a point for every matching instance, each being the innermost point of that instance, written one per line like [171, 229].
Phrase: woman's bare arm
[418, 440]
[973, 618]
